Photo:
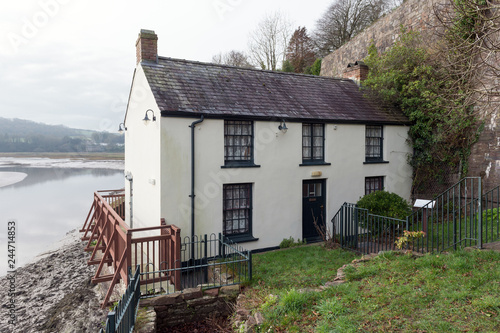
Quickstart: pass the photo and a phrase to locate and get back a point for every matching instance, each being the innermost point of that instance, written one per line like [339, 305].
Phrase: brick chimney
[357, 72]
[147, 46]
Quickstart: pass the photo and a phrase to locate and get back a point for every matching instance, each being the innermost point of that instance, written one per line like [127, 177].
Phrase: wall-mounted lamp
[146, 118]
[282, 126]
[121, 127]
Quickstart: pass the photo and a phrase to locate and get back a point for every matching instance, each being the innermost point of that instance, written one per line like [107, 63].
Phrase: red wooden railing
[111, 242]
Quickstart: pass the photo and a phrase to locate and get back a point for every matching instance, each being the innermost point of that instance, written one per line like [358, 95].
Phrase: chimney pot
[358, 72]
[147, 46]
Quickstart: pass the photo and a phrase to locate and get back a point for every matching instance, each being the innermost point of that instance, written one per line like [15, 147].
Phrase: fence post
[177, 258]
[407, 229]
[249, 254]
[480, 216]
[205, 257]
[341, 226]
[220, 244]
[111, 327]
[205, 238]
[131, 291]
[222, 240]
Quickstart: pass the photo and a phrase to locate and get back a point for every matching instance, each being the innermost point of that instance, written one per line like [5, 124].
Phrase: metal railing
[208, 261]
[123, 316]
[451, 220]
[491, 215]
[459, 217]
[364, 232]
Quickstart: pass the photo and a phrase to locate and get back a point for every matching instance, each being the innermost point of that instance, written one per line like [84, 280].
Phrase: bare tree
[268, 42]
[232, 58]
[344, 19]
[470, 53]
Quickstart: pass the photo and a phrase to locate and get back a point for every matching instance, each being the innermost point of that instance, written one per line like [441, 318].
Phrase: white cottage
[255, 155]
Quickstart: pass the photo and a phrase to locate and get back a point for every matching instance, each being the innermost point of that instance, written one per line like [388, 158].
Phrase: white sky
[71, 62]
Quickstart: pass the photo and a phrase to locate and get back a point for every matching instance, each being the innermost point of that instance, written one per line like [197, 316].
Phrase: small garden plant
[408, 237]
[290, 242]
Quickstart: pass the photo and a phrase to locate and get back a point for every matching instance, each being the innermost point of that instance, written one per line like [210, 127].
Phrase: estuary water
[47, 198]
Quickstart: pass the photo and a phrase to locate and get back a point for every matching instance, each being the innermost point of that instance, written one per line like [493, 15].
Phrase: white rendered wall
[142, 157]
[277, 183]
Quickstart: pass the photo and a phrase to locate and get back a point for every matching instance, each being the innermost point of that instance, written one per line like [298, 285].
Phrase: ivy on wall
[414, 78]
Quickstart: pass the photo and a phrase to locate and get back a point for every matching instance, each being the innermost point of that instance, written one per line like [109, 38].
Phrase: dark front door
[313, 209]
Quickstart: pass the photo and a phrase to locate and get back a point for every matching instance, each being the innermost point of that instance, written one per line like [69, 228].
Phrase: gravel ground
[53, 293]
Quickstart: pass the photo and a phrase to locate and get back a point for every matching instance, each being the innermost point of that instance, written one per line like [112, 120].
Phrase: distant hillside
[20, 135]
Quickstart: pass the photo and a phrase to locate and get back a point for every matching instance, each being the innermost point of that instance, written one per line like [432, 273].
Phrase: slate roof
[188, 88]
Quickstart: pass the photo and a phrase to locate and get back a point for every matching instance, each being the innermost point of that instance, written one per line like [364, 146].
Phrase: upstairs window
[313, 143]
[373, 184]
[374, 143]
[238, 142]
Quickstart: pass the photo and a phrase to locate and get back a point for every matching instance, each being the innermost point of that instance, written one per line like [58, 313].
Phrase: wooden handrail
[110, 232]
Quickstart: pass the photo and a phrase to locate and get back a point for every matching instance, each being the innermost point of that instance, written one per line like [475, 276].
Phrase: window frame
[371, 180]
[369, 146]
[244, 236]
[230, 160]
[313, 160]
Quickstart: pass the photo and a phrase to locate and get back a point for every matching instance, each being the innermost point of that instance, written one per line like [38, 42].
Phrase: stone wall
[412, 14]
[419, 15]
[191, 305]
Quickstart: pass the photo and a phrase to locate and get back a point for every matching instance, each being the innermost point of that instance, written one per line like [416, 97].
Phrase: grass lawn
[457, 292]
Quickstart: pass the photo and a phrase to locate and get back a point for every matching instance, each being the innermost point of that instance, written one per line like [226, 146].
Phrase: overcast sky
[71, 62]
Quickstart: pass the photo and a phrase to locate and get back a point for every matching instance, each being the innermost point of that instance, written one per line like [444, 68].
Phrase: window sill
[314, 163]
[242, 238]
[375, 162]
[249, 165]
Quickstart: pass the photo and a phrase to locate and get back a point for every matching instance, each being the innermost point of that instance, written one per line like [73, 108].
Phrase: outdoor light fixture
[146, 118]
[282, 126]
[121, 127]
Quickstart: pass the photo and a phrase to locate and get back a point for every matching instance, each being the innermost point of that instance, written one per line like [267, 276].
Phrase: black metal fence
[210, 261]
[459, 217]
[122, 318]
[364, 232]
[451, 220]
[491, 215]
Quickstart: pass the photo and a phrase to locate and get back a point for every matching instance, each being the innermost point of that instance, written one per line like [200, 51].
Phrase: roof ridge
[247, 69]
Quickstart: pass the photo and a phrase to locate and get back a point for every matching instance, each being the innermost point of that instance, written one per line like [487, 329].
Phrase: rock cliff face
[415, 15]
[54, 293]
[419, 15]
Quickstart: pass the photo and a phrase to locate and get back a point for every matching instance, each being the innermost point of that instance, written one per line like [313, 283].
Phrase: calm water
[47, 204]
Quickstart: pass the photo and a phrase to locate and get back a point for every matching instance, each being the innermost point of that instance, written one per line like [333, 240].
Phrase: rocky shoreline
[53, 293]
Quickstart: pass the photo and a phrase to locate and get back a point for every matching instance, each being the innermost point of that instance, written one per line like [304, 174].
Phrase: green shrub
[385, 204]
[290, 242]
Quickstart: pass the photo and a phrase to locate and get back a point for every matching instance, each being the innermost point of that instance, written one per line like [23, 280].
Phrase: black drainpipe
[193, 125]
